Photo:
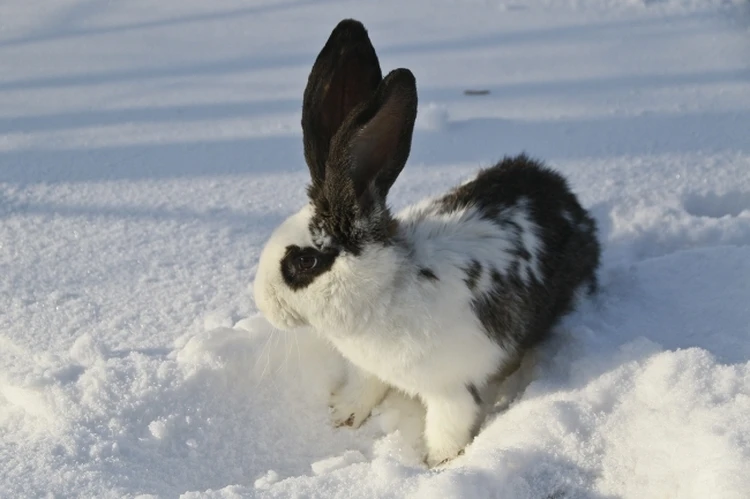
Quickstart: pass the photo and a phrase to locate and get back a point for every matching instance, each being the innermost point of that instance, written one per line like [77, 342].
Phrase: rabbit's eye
[307, 262]
[301, 266]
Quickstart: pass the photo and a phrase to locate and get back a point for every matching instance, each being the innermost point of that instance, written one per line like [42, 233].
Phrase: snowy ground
[147, 149]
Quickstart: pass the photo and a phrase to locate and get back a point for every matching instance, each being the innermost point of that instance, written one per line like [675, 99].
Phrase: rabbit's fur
[440, 301]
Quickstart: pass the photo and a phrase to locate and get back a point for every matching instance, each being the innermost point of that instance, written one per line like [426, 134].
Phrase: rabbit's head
[357, 131]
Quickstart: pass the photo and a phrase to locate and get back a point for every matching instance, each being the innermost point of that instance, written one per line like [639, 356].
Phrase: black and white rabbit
[440, 301]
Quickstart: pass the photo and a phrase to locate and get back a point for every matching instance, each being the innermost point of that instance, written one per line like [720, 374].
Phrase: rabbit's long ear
[372, 146]
[345, 74]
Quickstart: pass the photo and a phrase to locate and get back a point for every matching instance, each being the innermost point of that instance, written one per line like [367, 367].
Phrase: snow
[148, 149]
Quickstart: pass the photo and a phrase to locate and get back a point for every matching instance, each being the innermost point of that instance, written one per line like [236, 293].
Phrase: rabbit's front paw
[346, 411]
[436, 459]
[449, 425]
[354, 401]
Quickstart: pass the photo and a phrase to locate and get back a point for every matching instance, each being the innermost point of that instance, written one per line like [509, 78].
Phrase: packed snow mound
[643, 392]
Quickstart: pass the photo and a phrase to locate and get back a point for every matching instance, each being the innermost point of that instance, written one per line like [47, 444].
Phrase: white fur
[418, 335]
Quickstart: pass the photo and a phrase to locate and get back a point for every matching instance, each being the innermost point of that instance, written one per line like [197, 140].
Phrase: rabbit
[440, 301]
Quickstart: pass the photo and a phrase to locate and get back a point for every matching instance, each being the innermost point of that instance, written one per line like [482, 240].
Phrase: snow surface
[148, 149]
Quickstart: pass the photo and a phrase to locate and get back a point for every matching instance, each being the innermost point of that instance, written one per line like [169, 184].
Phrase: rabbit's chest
[416, 366]
[397, 363]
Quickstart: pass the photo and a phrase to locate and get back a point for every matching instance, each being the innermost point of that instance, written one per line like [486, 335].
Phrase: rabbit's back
[516, 239]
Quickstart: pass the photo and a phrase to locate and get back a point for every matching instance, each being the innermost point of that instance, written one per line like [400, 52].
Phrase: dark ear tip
[349, 44]
[401, 77]
[401, 81]
[349, 31]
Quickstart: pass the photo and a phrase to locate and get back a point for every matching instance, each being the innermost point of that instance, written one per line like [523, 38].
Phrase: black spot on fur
[518, 311]
[499, 309]
[508, 224]
[497, 278]
[295, 276]
[522, 253]
[474, 393]
[428, 274]
[473, 273]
